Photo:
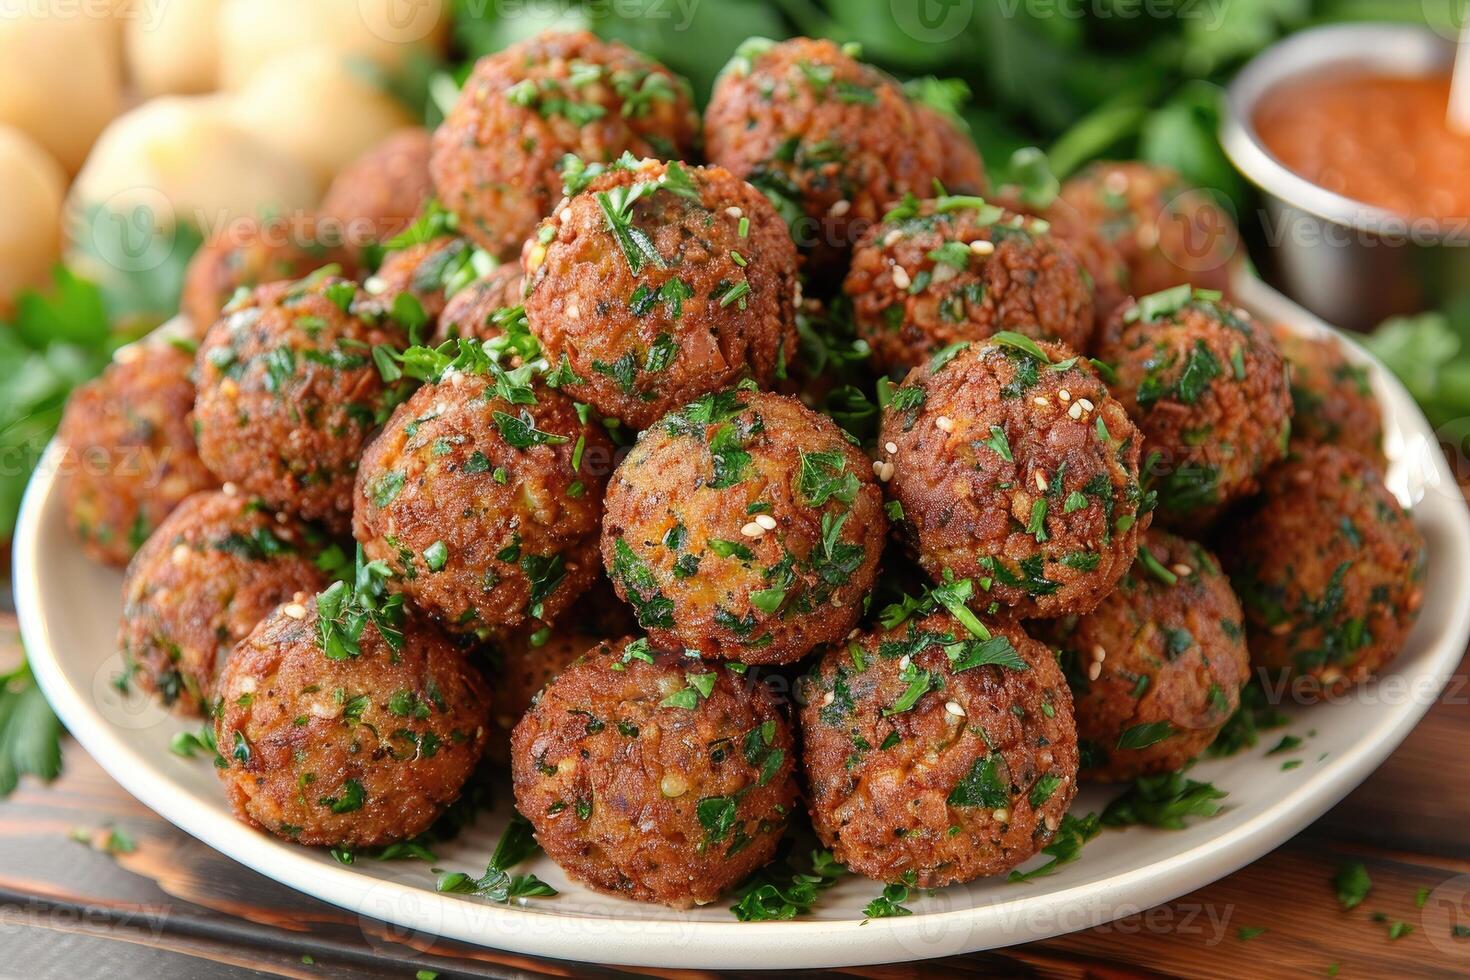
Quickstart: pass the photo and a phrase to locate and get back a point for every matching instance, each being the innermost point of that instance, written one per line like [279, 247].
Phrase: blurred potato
[315, 106]
[30, 213]
[384, 32]
[60, 80]
[177, 160]
[174, 51]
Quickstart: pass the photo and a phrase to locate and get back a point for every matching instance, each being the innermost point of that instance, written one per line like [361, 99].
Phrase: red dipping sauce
[1378, 139]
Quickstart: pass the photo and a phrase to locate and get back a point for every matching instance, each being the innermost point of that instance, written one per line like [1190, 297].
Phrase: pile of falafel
[593, 410]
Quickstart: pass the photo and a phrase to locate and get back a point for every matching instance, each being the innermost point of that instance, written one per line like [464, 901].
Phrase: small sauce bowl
[1351, 263]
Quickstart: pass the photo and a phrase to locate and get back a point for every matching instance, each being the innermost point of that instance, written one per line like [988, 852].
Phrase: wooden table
[174, 907]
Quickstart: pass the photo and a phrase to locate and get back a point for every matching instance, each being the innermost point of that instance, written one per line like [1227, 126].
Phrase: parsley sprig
[766, 897]
[498, 884]
[30, 734]
[344, 611]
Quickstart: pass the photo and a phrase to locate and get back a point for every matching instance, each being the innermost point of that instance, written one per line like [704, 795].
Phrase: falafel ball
[129, 454]
[654, 777]
[416, 281]
[250, 252]
[1329, 569]
[497, 158]
[837, 141]
[659, 283]
[525, 667]
[1014, 465]
[1156, 670]
[1208, 389]
[1104, 268]
[288, 394]
[1167, 231]
[937, 755]
[962, 171]
[352, 749]
[744, 527]
[485, 498]
[470, 312]
[380, 192]
[1332, 400]
[212, 571]
[955, 268]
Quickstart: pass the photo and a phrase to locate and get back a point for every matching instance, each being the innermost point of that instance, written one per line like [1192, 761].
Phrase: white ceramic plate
[69, 610]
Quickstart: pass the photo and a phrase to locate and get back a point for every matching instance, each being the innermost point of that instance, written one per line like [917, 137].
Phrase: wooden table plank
[176, 908]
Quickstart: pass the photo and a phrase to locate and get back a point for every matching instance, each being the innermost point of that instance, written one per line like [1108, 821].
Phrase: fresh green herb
[1352, 884]
[981, 786]
[764, 897]
[1287, 743]
[30, 734]
[996, 651]
[344, 611]
[1143, 735]
[761, 753]
[889, 904]
[497, 884]
[521, 432]
[1066, 846]
[1000, 443]
[1166, 801]
[824, 476]
[1155, 567]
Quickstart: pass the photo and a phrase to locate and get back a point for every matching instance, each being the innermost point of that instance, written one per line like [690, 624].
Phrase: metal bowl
[1348, 262]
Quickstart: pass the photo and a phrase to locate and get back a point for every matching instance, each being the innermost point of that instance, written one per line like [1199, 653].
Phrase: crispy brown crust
[213, 570]
[1172, 653]
[129, 454]
[684, 542]
[636, 359]
[1166, 231]
[496, 160]
[886, 789]
[838, 134]
[1215, 434]
[1107, 273]
[248, 252]
[408, 728]
[525, 668]
[908, 304]
[428, 481]
[626, 791]
[380, 192]
[468, 312]
[972, 512]
[288, 396]
[1332, 402]
[1330, 571]
[961, 170]
[418, 271]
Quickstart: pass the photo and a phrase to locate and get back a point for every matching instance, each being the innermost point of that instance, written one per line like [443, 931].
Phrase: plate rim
[675, 942]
